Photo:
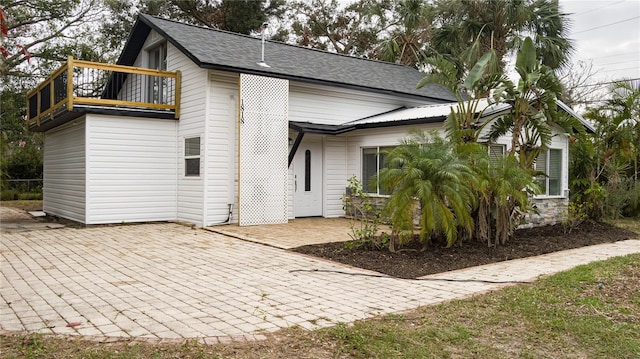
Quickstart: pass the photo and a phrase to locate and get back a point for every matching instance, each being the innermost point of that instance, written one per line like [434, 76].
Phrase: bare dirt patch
[437, 258]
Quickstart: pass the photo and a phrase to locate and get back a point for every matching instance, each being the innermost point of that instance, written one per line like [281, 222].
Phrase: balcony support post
[70, 83]
[176, 95]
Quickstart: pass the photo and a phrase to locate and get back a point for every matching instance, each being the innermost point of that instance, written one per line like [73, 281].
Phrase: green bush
[9, 195]
[632, 207]
[364, 216]
[622, 199]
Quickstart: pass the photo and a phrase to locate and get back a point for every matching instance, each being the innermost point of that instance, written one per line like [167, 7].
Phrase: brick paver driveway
[167, 281]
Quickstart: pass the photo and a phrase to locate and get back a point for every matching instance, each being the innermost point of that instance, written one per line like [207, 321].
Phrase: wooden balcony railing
[88, 83]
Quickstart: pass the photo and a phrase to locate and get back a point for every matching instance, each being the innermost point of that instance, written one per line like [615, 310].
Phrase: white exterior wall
[64, 171]
[335, 175]
[561, 141]
[388, 136]
[335, 106]
[131, 169]
[193, 112]
[222, 147]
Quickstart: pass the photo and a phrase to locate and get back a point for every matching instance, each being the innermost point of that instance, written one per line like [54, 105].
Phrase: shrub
[424, 170]
[364, 218]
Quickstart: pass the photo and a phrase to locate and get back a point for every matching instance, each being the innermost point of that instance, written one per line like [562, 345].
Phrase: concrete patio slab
[298, 232]
[165, 281]
[15, 220]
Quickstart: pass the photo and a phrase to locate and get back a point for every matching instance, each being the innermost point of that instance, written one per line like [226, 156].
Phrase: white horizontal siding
[131, 169]
[193, 112]
[334, 106]
[64, 171]
[222, 157]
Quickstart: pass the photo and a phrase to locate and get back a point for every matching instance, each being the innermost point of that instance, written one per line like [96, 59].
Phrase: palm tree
[425, 171]
[503, 188]
[532, 110]
[498, 25]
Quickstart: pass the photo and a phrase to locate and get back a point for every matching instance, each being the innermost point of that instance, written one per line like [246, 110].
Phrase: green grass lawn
[592, 311]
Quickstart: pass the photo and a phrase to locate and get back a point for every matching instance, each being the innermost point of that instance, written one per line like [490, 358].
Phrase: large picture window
[192, 157]
[550, 162]
[373, 160]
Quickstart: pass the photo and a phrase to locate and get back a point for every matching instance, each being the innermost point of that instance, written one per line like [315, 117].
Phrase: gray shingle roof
[215, 49]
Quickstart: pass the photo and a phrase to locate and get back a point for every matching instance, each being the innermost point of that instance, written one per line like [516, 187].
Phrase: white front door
[308, 180]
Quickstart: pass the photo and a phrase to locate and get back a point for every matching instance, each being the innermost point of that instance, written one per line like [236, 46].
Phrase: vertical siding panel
[64, 171]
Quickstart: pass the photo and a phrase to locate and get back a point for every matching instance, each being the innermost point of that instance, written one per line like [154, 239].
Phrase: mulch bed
[437, 258]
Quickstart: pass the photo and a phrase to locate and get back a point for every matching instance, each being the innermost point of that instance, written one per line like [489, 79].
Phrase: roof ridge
[275, 42]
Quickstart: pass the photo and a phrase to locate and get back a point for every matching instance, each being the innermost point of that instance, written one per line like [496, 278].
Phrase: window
[550, 162]
[307, 170]
[157, 86]
[373, 160]
[496, 152]
[192, 157]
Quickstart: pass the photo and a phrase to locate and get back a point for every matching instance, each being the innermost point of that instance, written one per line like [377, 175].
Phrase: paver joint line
[164, 282]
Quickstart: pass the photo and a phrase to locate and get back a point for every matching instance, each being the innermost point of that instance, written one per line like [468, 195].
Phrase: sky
[606, 34]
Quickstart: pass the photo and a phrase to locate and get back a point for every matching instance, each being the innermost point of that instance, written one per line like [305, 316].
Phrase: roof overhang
[414, 116]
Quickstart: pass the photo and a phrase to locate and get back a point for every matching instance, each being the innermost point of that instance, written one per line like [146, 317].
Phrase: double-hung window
[373, 160]
[192, 157]
[550, 163]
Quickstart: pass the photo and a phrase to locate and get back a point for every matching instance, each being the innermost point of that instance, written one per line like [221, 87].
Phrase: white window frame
[365, 187]
[545, 180]
[192, 156]
[503, 150]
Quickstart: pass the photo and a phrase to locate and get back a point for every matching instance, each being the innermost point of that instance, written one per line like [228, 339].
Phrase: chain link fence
[22, 189]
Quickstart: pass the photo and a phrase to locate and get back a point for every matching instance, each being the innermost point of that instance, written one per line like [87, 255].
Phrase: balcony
[80, 86]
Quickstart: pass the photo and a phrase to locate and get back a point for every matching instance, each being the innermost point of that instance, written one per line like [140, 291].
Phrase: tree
[498, 25]
[241, 16]
[532, 109]
[576, 89]
[41, 33]
[409, 31]
[425, 171]
[604, 166]
[502, 186]
[463, 123]
[326, 25]
[120, 15]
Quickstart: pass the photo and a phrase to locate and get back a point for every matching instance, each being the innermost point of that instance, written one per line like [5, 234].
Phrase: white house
[212, 134]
